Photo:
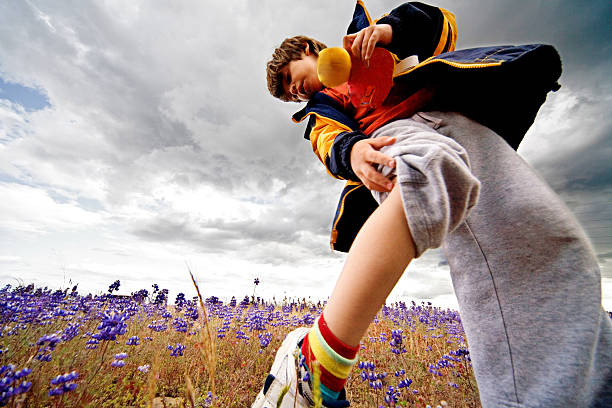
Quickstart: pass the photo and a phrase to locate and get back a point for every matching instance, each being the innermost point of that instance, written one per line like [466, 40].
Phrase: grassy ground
[224, 360]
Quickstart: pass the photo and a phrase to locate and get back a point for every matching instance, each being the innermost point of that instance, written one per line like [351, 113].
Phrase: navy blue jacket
[501, 87]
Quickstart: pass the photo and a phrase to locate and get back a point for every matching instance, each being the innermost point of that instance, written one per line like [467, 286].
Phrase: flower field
[59, 348]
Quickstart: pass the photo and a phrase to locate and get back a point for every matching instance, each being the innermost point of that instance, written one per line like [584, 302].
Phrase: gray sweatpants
[524, 273]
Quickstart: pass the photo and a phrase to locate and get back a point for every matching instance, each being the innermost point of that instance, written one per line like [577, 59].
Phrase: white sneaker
[284, 373]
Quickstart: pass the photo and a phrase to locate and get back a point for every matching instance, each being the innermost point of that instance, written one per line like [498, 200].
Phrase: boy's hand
[362, 43]
[364, 157]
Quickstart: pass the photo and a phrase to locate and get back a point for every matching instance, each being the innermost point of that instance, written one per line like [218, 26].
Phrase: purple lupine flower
[114, 286]
[396, 342]
[264, 340]
[161, 298]
[308, 319]
[192, 312]
[133, 341]
[140, 296]
[64, 383]
[157, 326]
[144, 368]
[70, 387]
[92, 344]
[70, 332]
[10, 377]
[63, 378]
[367, 365]
[23, 387]
[404, 383]
[180, 325]
[120, 356]
[177, 350]
[111, 326]
[180, 300]
[64, 388]
[23, 372]
[117, 363]
[392, 396]
[44, 357]
[48, 343]
[209, 399]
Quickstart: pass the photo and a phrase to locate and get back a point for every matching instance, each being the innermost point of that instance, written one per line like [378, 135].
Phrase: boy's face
[300, 79]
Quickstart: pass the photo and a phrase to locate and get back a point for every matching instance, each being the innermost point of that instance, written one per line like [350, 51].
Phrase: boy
[525, 276]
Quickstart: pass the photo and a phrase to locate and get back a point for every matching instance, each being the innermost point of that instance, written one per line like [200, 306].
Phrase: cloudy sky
[138, 139]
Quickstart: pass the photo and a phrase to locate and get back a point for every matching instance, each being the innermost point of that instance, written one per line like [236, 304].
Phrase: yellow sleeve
[322, 136]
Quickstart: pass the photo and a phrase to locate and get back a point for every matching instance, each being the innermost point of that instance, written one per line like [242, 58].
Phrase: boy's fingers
[381, 158]
[377, 181]
[357, 44]
[377, 187]
[370, 45]
[372, 40]
[365, 44]
[379, 142]
[347, 41]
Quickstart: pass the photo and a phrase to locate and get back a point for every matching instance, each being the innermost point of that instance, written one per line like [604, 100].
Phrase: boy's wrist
[340, 154]
[386, 31]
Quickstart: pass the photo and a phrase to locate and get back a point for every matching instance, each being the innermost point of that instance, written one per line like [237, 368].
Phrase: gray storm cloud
[159, 132]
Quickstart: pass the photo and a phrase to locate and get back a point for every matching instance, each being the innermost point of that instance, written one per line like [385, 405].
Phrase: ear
[306, 49]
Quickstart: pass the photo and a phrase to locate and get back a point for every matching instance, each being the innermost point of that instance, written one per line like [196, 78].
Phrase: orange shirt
[395, 106]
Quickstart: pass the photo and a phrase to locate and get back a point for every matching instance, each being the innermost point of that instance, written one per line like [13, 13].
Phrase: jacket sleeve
[332, 143]
[420, 29]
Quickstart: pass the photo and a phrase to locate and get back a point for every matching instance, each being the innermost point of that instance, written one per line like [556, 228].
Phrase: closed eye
[287, 78]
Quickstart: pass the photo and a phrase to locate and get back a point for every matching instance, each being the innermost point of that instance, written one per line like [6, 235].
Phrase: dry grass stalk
[189, 391]
[151, 386]
[207, 347]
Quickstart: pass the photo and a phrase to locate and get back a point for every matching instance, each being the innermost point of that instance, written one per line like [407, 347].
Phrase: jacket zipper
[462, 65]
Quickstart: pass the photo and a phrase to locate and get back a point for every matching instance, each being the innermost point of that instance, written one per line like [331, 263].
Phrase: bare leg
[377, 259]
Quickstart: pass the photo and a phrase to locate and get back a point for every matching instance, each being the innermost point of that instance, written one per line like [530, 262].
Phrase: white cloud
[569, 121]
[12, 121]
[30, 209]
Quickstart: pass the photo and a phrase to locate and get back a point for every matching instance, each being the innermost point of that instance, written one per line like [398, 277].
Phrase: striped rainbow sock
[335, 358]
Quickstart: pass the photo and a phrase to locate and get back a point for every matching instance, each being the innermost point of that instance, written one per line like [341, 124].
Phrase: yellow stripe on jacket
[322, 136]
[448, 23]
